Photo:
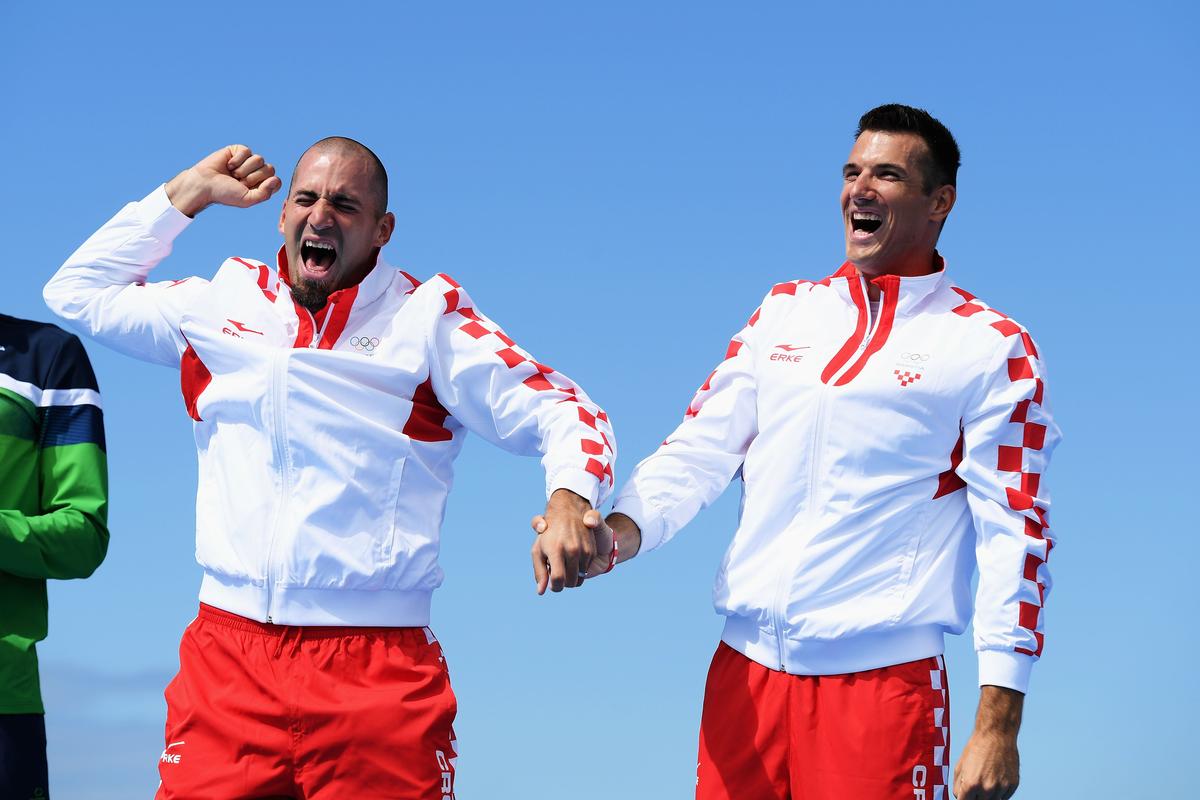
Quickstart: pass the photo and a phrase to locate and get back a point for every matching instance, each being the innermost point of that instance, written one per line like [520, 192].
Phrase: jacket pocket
[387, 541]
[916, 532]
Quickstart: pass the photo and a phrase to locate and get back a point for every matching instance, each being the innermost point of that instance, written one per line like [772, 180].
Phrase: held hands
[572, 543]
[232, 176]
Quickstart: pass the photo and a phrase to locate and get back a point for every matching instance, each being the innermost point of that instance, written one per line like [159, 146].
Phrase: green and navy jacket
[53, 490]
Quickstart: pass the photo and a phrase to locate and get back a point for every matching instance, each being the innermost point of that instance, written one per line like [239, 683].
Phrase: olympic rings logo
[364, 343]
[922, 357]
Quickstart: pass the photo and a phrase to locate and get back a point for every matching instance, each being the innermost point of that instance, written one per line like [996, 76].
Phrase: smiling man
[891, 432]
[330, 395]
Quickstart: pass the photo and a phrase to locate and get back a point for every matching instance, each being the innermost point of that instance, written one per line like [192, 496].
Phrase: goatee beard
[310, 295]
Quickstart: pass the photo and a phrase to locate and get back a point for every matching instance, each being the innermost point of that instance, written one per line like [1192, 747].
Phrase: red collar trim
[344, 295]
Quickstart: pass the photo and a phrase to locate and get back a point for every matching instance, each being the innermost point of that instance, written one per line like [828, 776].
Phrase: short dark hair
[944, 158]
[344, 145]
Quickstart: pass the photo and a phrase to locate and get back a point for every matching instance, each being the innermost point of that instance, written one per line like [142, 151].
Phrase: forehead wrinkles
[326, 175]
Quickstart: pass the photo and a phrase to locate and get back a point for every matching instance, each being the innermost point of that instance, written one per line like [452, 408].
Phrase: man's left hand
[566, 541]
[989, 767]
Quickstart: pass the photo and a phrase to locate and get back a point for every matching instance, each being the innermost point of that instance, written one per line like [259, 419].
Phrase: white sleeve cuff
[579, 481]
[165, 220]
[649, 521]
[1005, 668]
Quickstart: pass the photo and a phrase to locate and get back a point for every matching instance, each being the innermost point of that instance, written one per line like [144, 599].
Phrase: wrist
[627, 533]
[999, 711]
[565, 498]
[187, 193]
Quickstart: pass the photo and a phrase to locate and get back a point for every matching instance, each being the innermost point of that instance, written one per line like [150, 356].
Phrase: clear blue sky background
[618, 184]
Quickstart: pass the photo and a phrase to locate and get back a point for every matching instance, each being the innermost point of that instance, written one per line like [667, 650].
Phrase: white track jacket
[326, 443]
[882, 457]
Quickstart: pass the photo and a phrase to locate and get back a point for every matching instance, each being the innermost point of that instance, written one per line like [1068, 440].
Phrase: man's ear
[943, 202]
[282, 214]
[383, 233]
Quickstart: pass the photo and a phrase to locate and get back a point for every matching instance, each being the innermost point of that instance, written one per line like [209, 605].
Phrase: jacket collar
[909, 292]
[365, 292]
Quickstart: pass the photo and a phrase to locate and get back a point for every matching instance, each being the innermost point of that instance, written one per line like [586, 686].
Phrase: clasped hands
[572, 543]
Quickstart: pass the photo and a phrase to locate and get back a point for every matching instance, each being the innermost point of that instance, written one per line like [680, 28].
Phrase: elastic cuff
[165, 220]
[1005, 668]
[579, 481]
[647, 517]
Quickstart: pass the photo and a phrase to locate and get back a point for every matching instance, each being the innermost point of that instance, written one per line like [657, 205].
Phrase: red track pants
[318, 713]
[873, 735]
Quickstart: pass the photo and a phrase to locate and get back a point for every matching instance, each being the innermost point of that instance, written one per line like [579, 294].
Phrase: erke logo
[171, 758]
[241, 327]
[789, 352]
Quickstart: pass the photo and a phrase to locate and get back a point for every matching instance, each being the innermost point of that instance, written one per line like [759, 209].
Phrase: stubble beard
[310, 294]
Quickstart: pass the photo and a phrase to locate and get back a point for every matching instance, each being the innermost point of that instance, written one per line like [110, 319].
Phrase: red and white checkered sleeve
[698, 460]
[1008, 437]
[500, 392]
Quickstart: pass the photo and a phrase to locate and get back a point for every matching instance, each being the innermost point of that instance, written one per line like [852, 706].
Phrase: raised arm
[102, 288]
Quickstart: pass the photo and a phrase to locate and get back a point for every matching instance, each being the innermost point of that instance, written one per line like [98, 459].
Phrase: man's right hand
[232, 176]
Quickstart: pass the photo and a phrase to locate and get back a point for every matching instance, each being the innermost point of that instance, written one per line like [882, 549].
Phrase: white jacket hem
[845, 654]
[292, 605]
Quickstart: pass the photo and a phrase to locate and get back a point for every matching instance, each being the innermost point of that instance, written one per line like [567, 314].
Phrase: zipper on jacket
[279, 446]
[319, 334]
[779, 607]
[872, 315]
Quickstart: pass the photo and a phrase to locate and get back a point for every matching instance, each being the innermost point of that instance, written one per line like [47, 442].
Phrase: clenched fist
[232, 176]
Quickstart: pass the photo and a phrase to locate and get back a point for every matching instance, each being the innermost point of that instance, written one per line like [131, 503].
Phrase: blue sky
[618, 184]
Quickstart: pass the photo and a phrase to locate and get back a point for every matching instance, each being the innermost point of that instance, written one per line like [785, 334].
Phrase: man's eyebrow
[850, 166]
[336, 197]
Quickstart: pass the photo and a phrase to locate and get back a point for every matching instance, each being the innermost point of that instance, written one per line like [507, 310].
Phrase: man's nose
[863, 187]
[321, 214]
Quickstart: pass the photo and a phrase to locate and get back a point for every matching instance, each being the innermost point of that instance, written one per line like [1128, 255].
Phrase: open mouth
[865, 221]
[317, 256]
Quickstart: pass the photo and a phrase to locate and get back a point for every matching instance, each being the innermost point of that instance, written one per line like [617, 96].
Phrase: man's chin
[312, 294]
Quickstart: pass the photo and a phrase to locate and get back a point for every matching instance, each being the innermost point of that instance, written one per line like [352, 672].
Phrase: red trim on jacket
[949, 481]
[338, 310]
[264, 277]
[887, 315]
[194, 378]
[427, 423]
[1010, 459]
[860, 328]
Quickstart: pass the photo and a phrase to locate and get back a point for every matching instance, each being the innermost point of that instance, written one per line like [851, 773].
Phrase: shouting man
[330, 396]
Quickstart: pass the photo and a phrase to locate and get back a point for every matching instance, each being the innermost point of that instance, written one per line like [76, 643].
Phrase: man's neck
[922, 264]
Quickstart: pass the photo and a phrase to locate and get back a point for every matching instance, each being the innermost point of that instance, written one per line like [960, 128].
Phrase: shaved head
[345, 147]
